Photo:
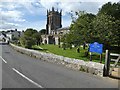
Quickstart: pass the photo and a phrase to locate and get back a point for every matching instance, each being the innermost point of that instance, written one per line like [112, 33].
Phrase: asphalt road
[22, 71]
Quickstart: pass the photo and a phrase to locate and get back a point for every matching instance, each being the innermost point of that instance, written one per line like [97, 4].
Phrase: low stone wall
[89, 67]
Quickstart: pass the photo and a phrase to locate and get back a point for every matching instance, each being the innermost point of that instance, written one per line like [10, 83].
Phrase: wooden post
[107, 64]
[90, 56]
[100, 58]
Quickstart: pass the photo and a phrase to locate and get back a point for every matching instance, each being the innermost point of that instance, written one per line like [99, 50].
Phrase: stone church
[54, 29]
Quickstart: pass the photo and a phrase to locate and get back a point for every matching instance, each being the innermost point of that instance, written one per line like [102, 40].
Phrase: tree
[30, 38]
[103, 28]
[106, 29]
[29, 32]
[81, 29]
[67, 40]
[111, 10]
[37, 37]
[42, 31]
[108, 23]
[27, 42]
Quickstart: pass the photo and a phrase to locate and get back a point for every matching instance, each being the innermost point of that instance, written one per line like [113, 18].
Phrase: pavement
[22, 71]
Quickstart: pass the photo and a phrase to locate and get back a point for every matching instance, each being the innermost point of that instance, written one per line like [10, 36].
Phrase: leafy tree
[29, 32]
[111, 10]
[108, 23]
[27, 42]
[106, 29]
[82, 28]
[30, 37]
[67, 40]
[38, 38]
[15, 40]
[42, 31]
[103, 28]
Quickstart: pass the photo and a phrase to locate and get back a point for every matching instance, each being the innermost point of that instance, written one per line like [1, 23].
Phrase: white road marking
[3, 59]
[27, 78]
[23, 75]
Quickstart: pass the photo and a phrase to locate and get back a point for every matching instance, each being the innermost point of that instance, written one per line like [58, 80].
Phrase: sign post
[90, 56]
[96, 48]
[100, 58]
[107, 64]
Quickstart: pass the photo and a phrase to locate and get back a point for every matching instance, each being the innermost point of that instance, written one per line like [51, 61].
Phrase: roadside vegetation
[104, 27]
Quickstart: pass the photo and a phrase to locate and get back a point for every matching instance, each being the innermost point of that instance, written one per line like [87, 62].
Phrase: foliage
[106, 29]
[15, 40]
[109, 21]
[31, 37]
[27, 42]
[103, 28]
[37, 37]
[81, 29]
[111, 10]
[29, 32]
[42, 31]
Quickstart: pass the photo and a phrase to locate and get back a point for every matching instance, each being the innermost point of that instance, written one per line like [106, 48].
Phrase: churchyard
[71, 53]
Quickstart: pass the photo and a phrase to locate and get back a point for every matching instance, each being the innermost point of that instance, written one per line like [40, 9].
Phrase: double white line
[36, 84]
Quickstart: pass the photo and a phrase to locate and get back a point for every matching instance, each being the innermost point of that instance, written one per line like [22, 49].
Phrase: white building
[12, 34]
[3, 38]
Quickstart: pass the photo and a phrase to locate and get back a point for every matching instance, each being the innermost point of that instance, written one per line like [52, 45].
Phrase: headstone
[78, 50]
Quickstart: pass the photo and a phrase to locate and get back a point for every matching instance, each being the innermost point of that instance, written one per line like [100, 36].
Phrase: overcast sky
[22, 14]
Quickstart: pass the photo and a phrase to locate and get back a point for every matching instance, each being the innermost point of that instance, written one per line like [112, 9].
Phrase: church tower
[53, 21]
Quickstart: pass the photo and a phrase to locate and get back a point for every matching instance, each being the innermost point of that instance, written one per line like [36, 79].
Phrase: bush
[27, 42]
[64, 46]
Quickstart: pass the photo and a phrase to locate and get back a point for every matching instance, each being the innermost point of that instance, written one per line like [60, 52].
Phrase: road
[22, 71]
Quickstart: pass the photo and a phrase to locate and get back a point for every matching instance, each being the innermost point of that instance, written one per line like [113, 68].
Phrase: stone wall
[89, 67]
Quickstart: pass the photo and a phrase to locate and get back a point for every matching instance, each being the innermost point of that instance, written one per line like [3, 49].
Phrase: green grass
[37, 47]
[71, 53]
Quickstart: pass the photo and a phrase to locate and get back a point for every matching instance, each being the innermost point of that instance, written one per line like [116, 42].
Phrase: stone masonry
[76, 64]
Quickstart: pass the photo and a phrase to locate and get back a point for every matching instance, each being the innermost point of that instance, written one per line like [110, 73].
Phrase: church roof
[64, 28]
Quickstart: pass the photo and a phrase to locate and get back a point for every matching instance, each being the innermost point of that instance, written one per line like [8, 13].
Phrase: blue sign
[96, 47]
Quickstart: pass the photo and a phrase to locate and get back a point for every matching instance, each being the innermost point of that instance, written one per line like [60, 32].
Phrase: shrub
[27, 42]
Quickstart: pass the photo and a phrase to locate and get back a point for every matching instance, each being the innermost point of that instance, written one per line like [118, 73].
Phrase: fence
[107, 70]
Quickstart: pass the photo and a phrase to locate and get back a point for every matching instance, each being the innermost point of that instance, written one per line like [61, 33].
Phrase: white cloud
[11, 14]
[75, 5]
[5, 25]
[14, 16]
[65, 6]
[17, 0]
[38, 25]
[25, 4]
[64, 1]
[10, 6]
[10, 19]
[13, 11]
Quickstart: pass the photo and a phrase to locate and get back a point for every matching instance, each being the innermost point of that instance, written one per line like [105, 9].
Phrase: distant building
[54, 28]
[12, 34]
[3, 37]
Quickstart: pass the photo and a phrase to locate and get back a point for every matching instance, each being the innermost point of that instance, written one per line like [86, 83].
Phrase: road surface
[22, 71]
